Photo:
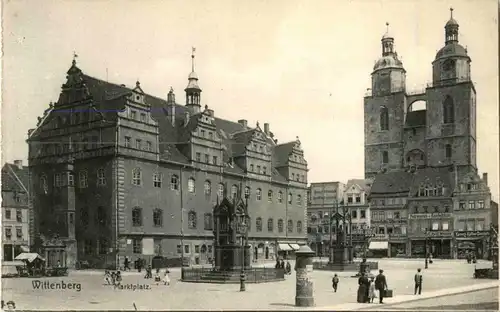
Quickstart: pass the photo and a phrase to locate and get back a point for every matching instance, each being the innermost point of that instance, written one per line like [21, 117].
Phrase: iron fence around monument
[252, 275]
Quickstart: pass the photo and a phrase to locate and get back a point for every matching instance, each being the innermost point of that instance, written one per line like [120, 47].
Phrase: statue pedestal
[229, 257]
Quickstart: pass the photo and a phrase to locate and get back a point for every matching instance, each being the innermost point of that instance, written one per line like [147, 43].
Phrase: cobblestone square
[94, 295]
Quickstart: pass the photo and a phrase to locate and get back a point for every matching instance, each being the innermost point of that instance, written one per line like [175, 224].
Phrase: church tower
[384, 111]
[451, 108]
[193, 90]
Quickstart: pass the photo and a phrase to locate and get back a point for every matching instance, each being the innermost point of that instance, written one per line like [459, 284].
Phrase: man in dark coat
[418, 282]
[381, 285]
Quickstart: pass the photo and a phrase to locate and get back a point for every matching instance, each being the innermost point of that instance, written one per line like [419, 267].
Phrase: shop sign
[433, 234]
[397, 236]
[435, 215]
[466, 234]
[379, 236]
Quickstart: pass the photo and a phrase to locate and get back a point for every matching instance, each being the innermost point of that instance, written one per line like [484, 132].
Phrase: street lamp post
[244, 238]
[426, 251]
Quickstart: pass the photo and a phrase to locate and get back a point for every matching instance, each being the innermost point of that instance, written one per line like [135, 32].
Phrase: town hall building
[117, 172]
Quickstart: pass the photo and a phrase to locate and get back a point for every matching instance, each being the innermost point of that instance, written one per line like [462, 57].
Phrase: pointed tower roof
[193, 77]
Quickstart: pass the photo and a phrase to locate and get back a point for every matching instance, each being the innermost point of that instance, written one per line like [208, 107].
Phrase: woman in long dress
[362, 289]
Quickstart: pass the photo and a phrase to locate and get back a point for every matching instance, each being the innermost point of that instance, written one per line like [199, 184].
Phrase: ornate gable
[137, 95]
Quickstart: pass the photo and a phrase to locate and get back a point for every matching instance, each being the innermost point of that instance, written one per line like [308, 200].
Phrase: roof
[434, 176]
[393, 182]
[452, 49]
[14, 179]
[107, 98]
[365, 184]
[416, 118]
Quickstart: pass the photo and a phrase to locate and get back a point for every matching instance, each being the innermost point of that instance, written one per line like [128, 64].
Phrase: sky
[301, 66]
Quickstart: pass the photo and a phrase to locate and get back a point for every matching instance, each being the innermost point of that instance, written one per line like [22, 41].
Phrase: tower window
[447, 149]
[448, 110]
[384, 118]
[385, 157]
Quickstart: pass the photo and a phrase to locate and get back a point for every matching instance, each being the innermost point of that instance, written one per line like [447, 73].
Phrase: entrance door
[204, 253]
[7, 253]
[267, 252]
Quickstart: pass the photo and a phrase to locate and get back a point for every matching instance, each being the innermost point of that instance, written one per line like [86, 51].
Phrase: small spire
[171, 89]
[451, 13]
[75, 56]
[206, 107]
[387, 26]
[137, 83]
[257, 124]
[192, 58]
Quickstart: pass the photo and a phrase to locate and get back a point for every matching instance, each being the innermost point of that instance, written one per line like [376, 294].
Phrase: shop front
[439, 244]
[471, 242]
[397, 245]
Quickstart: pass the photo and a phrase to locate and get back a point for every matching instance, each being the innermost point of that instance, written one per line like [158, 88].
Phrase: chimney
[485, 178]
[18, 164]
[171, 105]
[243, 122]
[266, 128]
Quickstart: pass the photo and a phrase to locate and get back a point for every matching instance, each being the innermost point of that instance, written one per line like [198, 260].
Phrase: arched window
[157, 179]
[158, 218]
[258, 194]
[448, 151]
[448, 110]
[101, 177]
[137, 216]
[84, 216]
[290, 226]
[384, 118]
[174, 183]
[191, 185]
[270, 196]
[270, 225]
[102, 218]
[299, 226]
[234, 191]
[280, 225]
[192, 220]
[299, 200]
[208, 188]
[247, 191]
[280, 197]
[220, 191]
[290, 198]
[385, 157]
[44, 184]
[136, 176]
[258, 224]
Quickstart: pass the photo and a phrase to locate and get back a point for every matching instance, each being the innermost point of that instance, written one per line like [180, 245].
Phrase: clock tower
[384, 110]
[451, 106]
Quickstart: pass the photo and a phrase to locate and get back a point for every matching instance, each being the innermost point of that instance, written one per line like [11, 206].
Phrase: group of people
[112, 278]
[280, 264]
[166, 278]
[471, 257]
[368, 287]
[9, 306]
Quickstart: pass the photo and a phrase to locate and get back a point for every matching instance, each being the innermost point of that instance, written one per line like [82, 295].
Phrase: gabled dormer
[290, 162]
[74, 90]
[252, 152]
[137, 95]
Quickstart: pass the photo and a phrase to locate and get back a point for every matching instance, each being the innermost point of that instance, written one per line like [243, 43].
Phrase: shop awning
[25, 248]
[294, 246]
[378, 245]
[284, 247]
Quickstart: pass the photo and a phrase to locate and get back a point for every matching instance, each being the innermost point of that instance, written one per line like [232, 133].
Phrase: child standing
[335, 282]
[166, 278]
[157, 276]
[371, 290]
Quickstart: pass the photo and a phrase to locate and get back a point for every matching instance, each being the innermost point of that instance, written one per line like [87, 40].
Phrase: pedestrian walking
[371, 290]
[335, 282]
[363, 283]
[157, 276]
[418, 282]
[381, 285]
[288, 268]
[126, 264]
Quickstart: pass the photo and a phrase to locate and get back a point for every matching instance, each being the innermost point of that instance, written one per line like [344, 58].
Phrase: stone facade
[123, 173]
[324, 200]
[424, 158]
[15, 210]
